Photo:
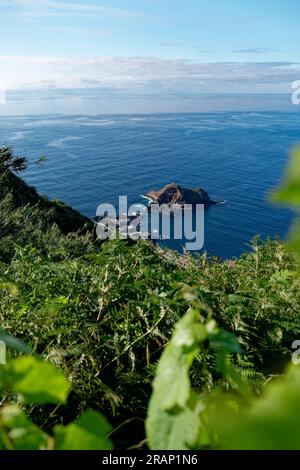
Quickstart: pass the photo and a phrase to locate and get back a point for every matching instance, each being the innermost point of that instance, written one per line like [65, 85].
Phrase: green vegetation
[34, 381]
[232, 414]
[103, 315]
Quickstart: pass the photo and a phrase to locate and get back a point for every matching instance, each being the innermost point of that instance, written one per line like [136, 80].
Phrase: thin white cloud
[78, 31]
[144, 73]
[258, 50]
[39, 8]
[170, 44]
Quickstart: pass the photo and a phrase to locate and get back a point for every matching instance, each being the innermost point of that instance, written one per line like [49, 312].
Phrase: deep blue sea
[238, 157]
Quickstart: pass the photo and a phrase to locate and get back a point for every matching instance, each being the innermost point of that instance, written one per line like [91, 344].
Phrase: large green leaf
[271, 423]
[175, 411]
[289, 194]
[89, 432]
[177, 429]
[18, 433]
[173, 420]
[37, 381]
[294, 238]
[172, 383]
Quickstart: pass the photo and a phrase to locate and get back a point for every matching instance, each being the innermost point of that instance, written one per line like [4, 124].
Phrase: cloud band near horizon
[145, 74]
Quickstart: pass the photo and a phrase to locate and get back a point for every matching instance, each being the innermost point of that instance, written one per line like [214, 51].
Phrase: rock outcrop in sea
[173, 193]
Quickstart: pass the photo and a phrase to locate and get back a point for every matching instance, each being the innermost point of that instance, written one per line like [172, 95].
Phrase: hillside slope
[104, 314]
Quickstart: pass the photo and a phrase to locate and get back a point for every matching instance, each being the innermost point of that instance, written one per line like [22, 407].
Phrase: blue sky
[150, 46]
[229, 30]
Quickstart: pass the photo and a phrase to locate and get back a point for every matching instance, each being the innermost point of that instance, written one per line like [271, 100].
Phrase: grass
[103, 314]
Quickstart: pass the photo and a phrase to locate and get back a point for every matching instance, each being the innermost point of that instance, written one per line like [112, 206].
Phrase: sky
[144, 47]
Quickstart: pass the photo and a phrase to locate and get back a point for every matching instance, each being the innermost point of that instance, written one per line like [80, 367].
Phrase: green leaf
[294, 238]
[37, 381]
[18, 433]
[172, 382]
[89, 432]
[221, 338]
[174, 414]
[173, 420]
[272, 422]
[14, 343]
[178, 429]
[290, 192]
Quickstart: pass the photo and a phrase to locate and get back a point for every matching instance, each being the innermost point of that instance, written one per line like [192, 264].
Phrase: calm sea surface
[238, 157]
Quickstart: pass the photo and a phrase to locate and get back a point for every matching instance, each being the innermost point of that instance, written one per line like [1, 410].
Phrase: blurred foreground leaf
[18, 432]
[289, 193]
[89, 432]
[14, 343]
[37, 381]
[271, 423]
